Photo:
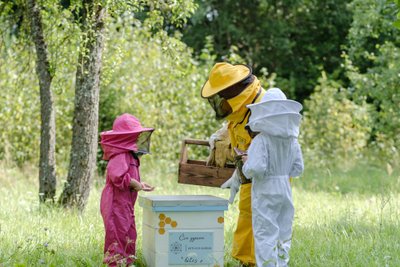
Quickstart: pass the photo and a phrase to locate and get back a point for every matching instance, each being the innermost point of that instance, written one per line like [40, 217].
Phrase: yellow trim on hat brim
[207, 90]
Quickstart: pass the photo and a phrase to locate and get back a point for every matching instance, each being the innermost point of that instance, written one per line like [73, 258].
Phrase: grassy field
[342, 219]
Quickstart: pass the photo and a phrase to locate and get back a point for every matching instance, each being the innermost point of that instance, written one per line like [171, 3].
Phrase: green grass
[342, 219]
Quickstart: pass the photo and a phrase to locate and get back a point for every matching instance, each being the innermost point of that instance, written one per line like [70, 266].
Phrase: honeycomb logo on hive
[164, 220]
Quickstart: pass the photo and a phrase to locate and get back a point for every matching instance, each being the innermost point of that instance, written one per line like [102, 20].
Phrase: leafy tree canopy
[294, 39]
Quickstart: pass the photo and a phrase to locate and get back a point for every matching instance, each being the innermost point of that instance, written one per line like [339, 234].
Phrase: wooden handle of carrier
[196, 142]
[186, 142]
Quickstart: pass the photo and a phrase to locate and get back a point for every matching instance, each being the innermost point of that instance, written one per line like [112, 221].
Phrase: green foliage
[146, 72]
[371, 28]
[397, 22]
[335, 130]
[16, 89]
[176, 12]
[161, 89]
[150, 73]
[63, 42]
[20, 91]
[339, 125]
[11, 20]
[19, 107]
[294, 39]
[373, 67]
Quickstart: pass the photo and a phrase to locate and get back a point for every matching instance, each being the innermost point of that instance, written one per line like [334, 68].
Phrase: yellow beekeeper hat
[223, 75]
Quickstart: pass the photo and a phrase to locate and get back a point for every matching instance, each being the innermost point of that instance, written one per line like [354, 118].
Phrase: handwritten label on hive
[190, 248]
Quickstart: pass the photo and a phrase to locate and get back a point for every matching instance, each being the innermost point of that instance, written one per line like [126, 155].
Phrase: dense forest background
[340, 59]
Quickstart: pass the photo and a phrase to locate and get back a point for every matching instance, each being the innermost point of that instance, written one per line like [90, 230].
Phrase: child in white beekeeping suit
[273, 157]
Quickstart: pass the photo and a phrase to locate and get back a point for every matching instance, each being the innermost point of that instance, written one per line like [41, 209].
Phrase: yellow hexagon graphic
[174, 224]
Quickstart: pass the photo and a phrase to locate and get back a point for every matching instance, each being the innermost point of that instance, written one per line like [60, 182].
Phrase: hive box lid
[183, 203]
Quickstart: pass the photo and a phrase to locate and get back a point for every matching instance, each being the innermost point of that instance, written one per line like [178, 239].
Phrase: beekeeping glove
[221, 134]
[223, 152]
[234, 184]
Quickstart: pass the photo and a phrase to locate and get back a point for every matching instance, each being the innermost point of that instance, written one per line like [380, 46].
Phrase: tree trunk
[85, 123]
[47, 163]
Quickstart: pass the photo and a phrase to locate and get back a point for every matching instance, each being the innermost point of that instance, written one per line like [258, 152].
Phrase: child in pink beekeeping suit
[122, 147]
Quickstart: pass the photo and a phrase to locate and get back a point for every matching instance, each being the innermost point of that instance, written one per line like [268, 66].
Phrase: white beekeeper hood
[275, 115]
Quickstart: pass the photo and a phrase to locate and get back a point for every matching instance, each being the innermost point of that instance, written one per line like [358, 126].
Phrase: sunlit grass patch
[34, 235]
[358, 227]
[345, 230]
[363, 179]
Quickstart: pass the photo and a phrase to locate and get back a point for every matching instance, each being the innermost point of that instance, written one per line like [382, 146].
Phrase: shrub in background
[373, 65]
[155, 78]
[19, 94]
[152, 76]
[335, 130]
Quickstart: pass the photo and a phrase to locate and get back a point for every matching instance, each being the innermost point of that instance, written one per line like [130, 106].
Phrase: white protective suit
[273, 157]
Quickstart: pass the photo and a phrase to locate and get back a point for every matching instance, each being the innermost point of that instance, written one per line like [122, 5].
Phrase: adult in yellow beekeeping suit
[229, 89]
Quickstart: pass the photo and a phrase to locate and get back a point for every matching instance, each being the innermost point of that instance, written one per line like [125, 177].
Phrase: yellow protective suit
[243, 241]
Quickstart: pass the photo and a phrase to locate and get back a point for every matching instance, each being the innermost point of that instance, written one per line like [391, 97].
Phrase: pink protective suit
[118, 199]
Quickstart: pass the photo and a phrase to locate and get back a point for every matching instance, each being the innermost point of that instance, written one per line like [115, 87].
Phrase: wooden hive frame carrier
[196, 172]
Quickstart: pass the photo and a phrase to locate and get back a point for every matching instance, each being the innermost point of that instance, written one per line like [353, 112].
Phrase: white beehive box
[183, 230]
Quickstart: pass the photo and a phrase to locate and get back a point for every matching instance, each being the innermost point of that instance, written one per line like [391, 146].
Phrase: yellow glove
[211, 158]
[220, 151]
[223, 152]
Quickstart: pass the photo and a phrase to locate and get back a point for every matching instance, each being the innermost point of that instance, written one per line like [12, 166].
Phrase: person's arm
[117, 171]
[255, 164]
[298, 164]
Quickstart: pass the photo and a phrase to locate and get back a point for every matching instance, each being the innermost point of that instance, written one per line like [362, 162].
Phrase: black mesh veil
[143, 142]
